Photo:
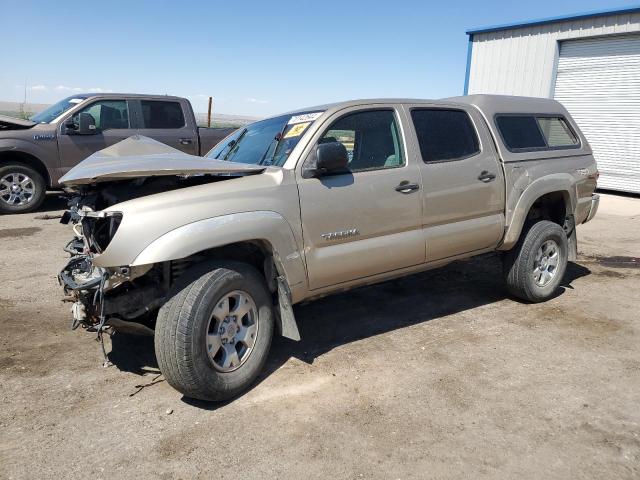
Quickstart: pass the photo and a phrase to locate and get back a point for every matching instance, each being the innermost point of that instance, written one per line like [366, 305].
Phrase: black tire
[39, 188]
[520, 262]
[181, 330]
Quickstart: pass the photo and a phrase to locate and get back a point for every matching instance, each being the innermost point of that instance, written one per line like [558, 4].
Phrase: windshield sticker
[297, 130]
[305, 117]
[76, 100]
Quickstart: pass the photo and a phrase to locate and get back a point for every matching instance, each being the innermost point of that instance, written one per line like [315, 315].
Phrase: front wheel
[535, 267]
[22, 189]
[213, 336]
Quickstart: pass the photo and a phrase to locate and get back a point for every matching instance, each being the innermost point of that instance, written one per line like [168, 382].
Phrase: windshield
[267, 142]
[54, 111]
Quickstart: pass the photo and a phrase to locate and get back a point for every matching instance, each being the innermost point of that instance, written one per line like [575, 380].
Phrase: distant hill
[217, 119]
[13, 108]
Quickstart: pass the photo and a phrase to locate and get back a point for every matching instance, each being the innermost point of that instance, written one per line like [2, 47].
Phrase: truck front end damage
[125, 297]
[119, 298]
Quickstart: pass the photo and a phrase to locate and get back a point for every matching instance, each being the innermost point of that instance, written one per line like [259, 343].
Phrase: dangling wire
[100, 338]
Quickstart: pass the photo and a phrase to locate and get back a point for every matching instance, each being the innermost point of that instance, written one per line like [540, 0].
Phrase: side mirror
[70, 128]
[86, 124]
[330, 157]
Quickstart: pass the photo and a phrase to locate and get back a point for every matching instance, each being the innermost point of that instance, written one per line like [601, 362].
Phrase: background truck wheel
[536, 265]
[22, 189]
[213, 336]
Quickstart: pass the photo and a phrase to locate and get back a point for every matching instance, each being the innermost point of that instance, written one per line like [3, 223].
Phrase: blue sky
[254, 58]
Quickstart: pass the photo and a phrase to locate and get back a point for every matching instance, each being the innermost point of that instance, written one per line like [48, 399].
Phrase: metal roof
[562, 18]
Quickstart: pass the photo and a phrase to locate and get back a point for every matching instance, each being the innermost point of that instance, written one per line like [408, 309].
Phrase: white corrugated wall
[598, 81]
[522, 61]
[526, 61]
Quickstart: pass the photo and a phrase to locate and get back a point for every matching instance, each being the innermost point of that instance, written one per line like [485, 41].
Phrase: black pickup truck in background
[35, 153]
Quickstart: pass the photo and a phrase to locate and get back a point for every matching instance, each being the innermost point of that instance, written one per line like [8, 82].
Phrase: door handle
[185, 141]
[406, 187]
[486, 176]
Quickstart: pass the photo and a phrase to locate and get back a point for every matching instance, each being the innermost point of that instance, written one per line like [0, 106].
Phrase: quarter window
[371, 138]
[107, 114]
[556, 132]
[531, 132]
[160, 114]
[444, 135]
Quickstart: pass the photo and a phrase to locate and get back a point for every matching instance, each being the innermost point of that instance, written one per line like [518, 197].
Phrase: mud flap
[573, 246]
[288, 323]
[572, 238]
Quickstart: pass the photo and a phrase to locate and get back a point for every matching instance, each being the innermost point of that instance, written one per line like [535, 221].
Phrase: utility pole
[24, 101]
[209, 112]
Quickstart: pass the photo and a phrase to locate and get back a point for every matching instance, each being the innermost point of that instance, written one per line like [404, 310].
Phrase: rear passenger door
[367, 220]
[165, 121]
[463, 180]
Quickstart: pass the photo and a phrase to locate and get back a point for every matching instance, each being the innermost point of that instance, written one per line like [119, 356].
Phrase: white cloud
[99, 90]
[37, 88]
[255, 100]
[65, 88]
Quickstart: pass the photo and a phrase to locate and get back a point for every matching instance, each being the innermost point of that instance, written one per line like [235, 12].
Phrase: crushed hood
[12, 123]
[141, 156]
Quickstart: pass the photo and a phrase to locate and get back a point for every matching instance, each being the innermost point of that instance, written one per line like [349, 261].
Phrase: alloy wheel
[232, 331]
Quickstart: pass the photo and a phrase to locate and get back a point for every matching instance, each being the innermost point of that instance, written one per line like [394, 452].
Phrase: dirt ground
[438, 375]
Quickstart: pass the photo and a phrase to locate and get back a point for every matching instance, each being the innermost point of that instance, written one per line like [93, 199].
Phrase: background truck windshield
[267, 142]
[48, 115]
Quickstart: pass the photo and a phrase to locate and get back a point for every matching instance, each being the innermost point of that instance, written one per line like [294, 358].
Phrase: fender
[38, 152]
[223, 230]
[559, 182]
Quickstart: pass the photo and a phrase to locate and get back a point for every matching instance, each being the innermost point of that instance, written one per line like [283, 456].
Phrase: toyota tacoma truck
[209, 254]
[35, 153]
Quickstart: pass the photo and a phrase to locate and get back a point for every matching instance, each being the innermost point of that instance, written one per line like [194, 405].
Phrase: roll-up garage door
[598, 81]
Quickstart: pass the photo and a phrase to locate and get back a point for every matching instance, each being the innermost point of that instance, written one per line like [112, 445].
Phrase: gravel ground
[438, 375]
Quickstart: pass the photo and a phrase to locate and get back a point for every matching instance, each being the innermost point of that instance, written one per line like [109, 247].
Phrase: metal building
[590, 62]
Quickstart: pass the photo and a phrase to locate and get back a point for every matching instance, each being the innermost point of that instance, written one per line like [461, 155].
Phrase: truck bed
[209, 137]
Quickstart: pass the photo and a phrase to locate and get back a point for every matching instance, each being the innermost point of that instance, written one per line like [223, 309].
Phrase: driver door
[113, 124]
[362, 222]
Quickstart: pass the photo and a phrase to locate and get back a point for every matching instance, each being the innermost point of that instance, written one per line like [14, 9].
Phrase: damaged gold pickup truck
[210, 253]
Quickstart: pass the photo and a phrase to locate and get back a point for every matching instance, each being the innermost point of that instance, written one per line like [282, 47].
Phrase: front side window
[161, 114]
[107, 114]
[444, 135]
[371, 138]
[530, 132]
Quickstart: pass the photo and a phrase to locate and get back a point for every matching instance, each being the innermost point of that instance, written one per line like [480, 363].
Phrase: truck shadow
[362, 313]
[377, 309]
[54, 202]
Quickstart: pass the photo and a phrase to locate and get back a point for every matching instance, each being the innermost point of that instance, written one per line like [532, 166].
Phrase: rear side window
[556, 132]
[159, 114]
[444, 135]
[530, 132]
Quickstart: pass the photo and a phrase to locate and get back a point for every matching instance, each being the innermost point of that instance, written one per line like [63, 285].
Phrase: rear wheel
[535, 267]
[213, 336]
[22, 189]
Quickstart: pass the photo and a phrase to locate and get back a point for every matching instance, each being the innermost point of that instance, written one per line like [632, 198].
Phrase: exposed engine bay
[124, 298]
